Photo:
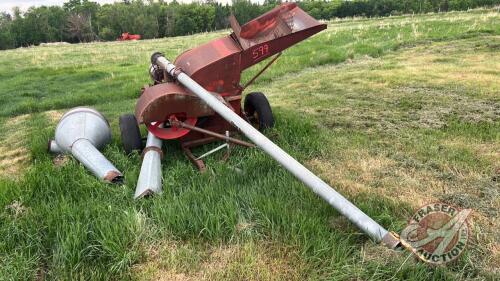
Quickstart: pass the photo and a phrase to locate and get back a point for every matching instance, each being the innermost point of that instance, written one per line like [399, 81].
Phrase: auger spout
[82, 131]
[150, 176]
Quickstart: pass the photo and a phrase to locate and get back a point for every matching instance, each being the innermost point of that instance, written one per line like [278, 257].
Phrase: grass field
[392, 112]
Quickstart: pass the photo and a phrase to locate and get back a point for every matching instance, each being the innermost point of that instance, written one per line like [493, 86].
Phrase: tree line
[85, 21]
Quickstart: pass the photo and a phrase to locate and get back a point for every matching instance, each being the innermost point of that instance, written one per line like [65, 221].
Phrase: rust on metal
[392, 240]
[113, 177]
[271, 25]
[261, 71]
[197, 162]
[153, 148]
[158, 102]
[212, 134]
[217, 66]
[198, 142]
[171, 132]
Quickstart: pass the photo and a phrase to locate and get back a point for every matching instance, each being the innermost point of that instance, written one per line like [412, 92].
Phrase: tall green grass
[57, 222]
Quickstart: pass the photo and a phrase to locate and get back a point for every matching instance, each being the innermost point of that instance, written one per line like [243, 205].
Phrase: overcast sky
[7, 5]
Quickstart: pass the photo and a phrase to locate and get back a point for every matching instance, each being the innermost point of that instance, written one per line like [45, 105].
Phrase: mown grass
[393, 112]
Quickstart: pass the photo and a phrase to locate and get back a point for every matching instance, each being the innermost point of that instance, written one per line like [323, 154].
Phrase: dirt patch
[359, 172]
[467, 66]
[12, 160]
[60, 160]
[380, 254]
[14, 156]
[54, 115]
[405, 90]
[493, 263]
[247, 261]
[487, 150]
[16, 209]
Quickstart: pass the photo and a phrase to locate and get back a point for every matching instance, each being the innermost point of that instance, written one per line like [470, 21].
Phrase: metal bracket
[211, 151]
[197, 162]
[261, 71]
[226, 155]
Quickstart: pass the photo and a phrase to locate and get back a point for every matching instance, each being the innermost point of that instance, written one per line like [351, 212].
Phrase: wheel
[258, 110]
[130, 133]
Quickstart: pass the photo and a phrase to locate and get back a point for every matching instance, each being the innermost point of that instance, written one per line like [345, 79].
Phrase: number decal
[260, 51]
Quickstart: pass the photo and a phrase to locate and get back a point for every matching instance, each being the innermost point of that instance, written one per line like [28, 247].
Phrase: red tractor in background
[129, 37]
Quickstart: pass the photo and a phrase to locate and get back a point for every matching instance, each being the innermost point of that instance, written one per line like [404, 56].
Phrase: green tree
[83, 9]
[245, 10]
[85, 20]
[79, 27]
[7, 39]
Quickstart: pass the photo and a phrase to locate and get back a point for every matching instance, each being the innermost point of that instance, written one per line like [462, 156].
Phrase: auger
[197, 100]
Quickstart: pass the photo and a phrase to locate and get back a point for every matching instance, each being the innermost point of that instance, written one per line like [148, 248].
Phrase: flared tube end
[114, 177]
[391, 240]
[155, 56]
[52, 147]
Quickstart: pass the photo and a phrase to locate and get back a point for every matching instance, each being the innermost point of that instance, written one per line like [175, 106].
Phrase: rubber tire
[130, 133]
[257, 102]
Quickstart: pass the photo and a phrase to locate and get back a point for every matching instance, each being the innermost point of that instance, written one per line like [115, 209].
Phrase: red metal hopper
[217, 67]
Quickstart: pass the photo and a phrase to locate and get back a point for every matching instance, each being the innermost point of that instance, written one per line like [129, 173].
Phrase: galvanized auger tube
[81, 132]
[336, 200]
[150, 176]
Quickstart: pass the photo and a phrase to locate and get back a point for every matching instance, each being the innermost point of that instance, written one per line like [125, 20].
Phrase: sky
[7, 5]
